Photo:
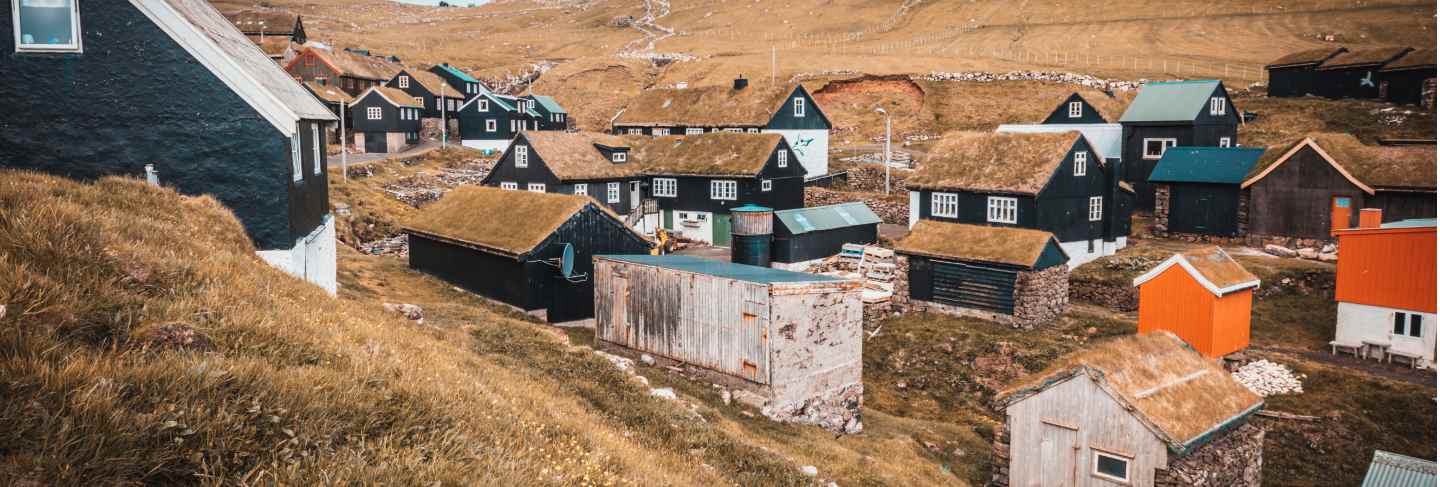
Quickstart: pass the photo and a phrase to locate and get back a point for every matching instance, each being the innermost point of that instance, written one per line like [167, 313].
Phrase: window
[799, 104]
[450, 102]
[782, 158]
[636, 131]
[1224, 142]
[1000, 209]
[694, 131]
[489, 125]
[618, 157]
[404, 81]
[420, 101]
[1075, 109]
[662, 131]
[522, 156]
[1081, 158]
[536, 187]
[766, 185]
[1097, 208]
[373, 113]
[296, 171]
[722, 190]
[664, 187]
[582, 189]
[1414, 321]
[945, 205]
[734, 130]
[1217, 105]
[509, 185]
[753, 130]
[315, 147]
[612, 192]
[1155, 148]
[47, 25]
[482, 106]
[1112, 467]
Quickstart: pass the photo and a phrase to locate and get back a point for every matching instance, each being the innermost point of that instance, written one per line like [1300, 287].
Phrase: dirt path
[1371, 367]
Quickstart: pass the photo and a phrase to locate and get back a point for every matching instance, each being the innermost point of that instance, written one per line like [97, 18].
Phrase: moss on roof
[396, 96]
[1419, 58]
[710, 154]
[1217, 267]
[1376, 166]
[1363, 57]
[706, 106]
[511, 222]
[358, 66]
[1018, 163]
[1181, 392]
[976, 243]
[1312, 56]
[328, 94]
[271, 22]
[572, 156]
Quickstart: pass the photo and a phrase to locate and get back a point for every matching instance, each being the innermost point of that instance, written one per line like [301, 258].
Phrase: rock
[664, 393]
[174, 336]
[749, 398]
[809, 470]
[646, 359]
[1266, 378]
[622, 363]
[1279, 250]
[1329, 257]
[1308, 253]
[725, 397]
[1328, 249]
[409, 311]
[644, 381]
[342, 209]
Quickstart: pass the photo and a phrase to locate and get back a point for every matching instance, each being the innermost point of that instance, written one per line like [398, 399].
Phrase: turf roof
[704, 106]
[356, 65]
[1312, 56]
[1213, 265]
[1223, 165]
[328, 94]
[395, 96]
[1419, 58]
[976, 243]
[709, 154]
[1376, 166]
[1019, 163]
[269, 22]
[1172, 101]
[572, 156]
[509, 222]
[1364, 57]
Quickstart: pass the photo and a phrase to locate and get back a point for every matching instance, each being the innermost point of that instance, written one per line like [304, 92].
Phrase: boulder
[409, 311]
[1308, 253]
[1279, 250]
[664, 393]
[1328, 249]
[646, 359]
[1329, 257]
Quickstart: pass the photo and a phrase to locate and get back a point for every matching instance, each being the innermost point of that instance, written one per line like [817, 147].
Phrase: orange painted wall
[1214, 326]
[1392, 268]
[1232, 324]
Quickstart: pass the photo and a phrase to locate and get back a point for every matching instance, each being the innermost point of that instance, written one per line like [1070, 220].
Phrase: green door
[721, 237]
[668, 217]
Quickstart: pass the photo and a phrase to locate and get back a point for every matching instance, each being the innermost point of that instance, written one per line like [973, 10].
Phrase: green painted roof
[1226, 165]
[729, 270]
[458, 73]
[549, 103]
[1396, 470]
[1172, 101]
[817, 218]
[1411, 223]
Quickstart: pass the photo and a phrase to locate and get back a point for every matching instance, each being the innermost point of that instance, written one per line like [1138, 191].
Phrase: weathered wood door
[375, 143]
[1059, 454]
[620, 325]
[1340, 212]
[1204, 210]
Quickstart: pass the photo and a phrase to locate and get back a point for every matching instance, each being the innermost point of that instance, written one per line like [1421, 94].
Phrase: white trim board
[1323, 155]
[1195, 273]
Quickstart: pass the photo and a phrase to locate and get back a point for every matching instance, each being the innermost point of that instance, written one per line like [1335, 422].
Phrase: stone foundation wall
[1162, 221]
[430, 129]
[1040, 297]
[1232, 460]
[1000, 456]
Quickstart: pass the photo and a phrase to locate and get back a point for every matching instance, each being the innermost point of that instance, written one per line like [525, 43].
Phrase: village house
[1143, 410]
[792, 113]
[552, 115]
[1306, 189]
[490, 122]
[1385, 288]
[384, 120]
[1013, 276]
[351, 71]
[1410, 80]
[789, 343]
[1054, 182]
[1202, 296]
[1198, 195]
[464, 84]
[1355, 74]
[1167, 114]
[1294, 75]
[580, 163]
[120, 94]
[529, 250]
[279, 34]
[808, 234]
[1079, 115]
[424, 87]
[336, 100]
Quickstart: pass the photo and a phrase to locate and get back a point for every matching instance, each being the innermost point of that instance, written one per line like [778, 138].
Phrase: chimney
[1370, 218]
[741, 82]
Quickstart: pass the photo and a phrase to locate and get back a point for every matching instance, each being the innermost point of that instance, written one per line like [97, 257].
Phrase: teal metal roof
[1396, 470]
[817, 218]
[458, 74]
[1225, 165]
[1411, 223]
[729, 270]
[1172, 101]
[750, 207]
[549, 103]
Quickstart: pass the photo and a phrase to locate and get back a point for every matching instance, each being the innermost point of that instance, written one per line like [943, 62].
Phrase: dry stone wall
[1040, 297]
[1162, 221]
[1232, 460]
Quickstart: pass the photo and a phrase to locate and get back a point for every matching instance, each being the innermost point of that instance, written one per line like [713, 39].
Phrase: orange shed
[1202, 296]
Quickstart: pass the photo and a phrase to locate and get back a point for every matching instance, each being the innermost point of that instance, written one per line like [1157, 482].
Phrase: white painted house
[1385, 289]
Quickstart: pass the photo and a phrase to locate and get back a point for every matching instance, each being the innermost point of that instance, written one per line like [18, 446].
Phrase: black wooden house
[1294, 74]
[1410, 80]
[425, 88]
[489, 122]
[552, 115]
[580, 163]
[1074, 110]
[1012, 275]
[384, 120]
[1042, 181]
[98, 87]
[512, 246]
[1355, 74]
[817, 232]
[1179, 113]
[461, 82]
[1198, 190]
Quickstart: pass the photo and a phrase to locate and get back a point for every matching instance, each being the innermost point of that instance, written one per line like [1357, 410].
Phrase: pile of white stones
[1266, 378]
[1052, 76]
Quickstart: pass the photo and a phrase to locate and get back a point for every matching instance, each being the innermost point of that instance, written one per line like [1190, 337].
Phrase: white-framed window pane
[509, 185]
[315, 143]
[1155, 148]
[483, 105]
[722, 190]
[536, 187]
[618, 157]
[582, 189]
[522, 156]
[664, 187]
[1075, 109]
[1082, 158]
[662, 131]
[404, 81]
[1224, 142]
[782, 158]
[296, 171]
[373, 113]
[945, 205]
[1217, 106]
[636, 131]
[734, 130]
[799, 106]
[694, 131]
[612, 192]
[753, 130]
[766, 185]
[489, 125]
[1112, 467]
[1097, 208]
[46, 25]
[999, 209]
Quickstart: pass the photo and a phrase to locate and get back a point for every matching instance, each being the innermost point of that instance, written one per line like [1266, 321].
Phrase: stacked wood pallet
[873, 265]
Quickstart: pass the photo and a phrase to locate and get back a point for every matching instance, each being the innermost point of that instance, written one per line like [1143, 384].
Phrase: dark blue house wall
[1061, 115]
[472, 122]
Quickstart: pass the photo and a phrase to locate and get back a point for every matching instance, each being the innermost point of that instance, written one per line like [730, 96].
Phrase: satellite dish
[567, 260]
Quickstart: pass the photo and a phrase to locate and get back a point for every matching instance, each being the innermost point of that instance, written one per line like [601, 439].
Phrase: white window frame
[522, 156]
[767, 185]
[753, 130]
[735, 130]
[1217, 105]
[490, 125]
[404, 81]
[75, 32]
[510, 185]
[1409, 325]
[1076, 109]
[374, 113]
[1095, 465]
[799, 106]
[482, 106]
[782, 158]
[535, 187]
[315, 146]
[1082, 159]
[420, 100]
[694, 131]
[582, 189]
[1097, 208]
[612, 192]
[1225, 142]
[1166, 144]
[664, 187]
[724, 189]
[1002, 209]
[659, 131]
[635, 131]
[618, 156]
[945, 205]
[297, 171]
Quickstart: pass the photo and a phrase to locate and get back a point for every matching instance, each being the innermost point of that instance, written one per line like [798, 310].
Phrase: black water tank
[751, 230]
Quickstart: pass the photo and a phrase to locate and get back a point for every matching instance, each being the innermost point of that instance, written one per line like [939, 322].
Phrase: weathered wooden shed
[1202, 296]
[1410, 80]
[1010, 275]
[510, 246]
[1143, 410]
[794, 338]
[1197, 190]
[1294, 74]
[817, 232]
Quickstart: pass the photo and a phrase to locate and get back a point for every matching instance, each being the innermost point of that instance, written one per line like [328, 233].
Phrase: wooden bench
[1411, 358]
[1351, 348]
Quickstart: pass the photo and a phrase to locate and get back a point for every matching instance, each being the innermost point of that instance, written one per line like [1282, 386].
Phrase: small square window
[767, 185]
[1111, 467]
[46, 25]
[1224, 142]
[582, 189]
[509, 185]
[404, 81]
[489, 125]
[1075, 109]
[945, 205]
[374, 113]
[1217, 105]
[618, 157]
[1155, 148]
[536, 187]
[612, 192]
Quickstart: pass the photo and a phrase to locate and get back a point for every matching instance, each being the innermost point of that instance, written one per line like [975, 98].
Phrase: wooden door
[1059, 454]
[621, 328]
[720, 225]
[1202, 214]
[375, 143]
[1340, 212]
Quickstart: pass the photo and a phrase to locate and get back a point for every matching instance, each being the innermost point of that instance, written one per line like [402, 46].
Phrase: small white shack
[791, 338]
[1144, 410]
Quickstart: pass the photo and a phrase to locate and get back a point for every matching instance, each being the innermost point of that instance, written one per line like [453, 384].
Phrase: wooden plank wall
[1098, 421]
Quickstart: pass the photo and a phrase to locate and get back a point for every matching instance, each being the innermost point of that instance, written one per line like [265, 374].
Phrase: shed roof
[549, 103]
[264, 21]
[1364, 57]
[509, 222]
[457, 73]
[710, 154]
[1417, 59]
[1170, 101]
[573, 155]
[355, 65]
[977, 243]
[1396, 470]
[1221, 165]
[328, 94]
[703, 106]
[1103, 137]
[1020, 163]
[1410, 223]
[1311, 56]
[828, 217]
[729, 270]
[1209, 266]
[1182, 396]
[1369, 167]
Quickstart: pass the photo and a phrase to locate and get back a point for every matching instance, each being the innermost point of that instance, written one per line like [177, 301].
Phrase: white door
[634, 195]
[1058, 452]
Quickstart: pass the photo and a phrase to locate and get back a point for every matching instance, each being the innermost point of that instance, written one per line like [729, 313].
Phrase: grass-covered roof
[1401, 167]
[510, 222]
[709, 154]
[1419, 58]
[1364, 57]
[1310, 56]
[976, 243]
[1018, 163]
[704, 106]
[572, 156]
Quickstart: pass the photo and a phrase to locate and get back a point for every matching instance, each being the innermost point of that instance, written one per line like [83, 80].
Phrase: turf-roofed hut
[580, 163]
[384, 120]
[1410, 80]
[1202, 296]
[696, 180]
[1013, 276]
[1299, 192]
[1197, 192]
[510, 246]
[1139, 410]
[1294, 74]
[817, 232]
[1355, 74]
[107, 88]
[350, 71]
[790, 112]
[1053, 182]
[1195, 113]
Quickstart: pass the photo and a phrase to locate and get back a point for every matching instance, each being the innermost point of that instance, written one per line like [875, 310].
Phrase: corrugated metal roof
[549, 103]
[458, 73]
[1396, 470]
[829, 217]
[1226, 165]
[1103, 137]
[1173, 101]
[1411, 223]
[730, 270]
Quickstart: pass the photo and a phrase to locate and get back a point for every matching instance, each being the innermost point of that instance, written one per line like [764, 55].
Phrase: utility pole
[444, 122]
[344, 154]
[772, 65]
[887, 148]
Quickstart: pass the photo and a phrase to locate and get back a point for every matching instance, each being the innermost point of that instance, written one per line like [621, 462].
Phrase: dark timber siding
[1401, 205]
[591, 232]
[1405, 86]
[1292, 81]
[972, 285]
[472, 121]
[390, 121]
[1061, 115]
[310, 197]
[1347, 83]
[790, 248]
[1206, 209]
[135, 97]
[1205, 130]
[502, 278]
[693, 192]
[416, 89]
[537, 171]
[784, 117]
[1294, 199]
